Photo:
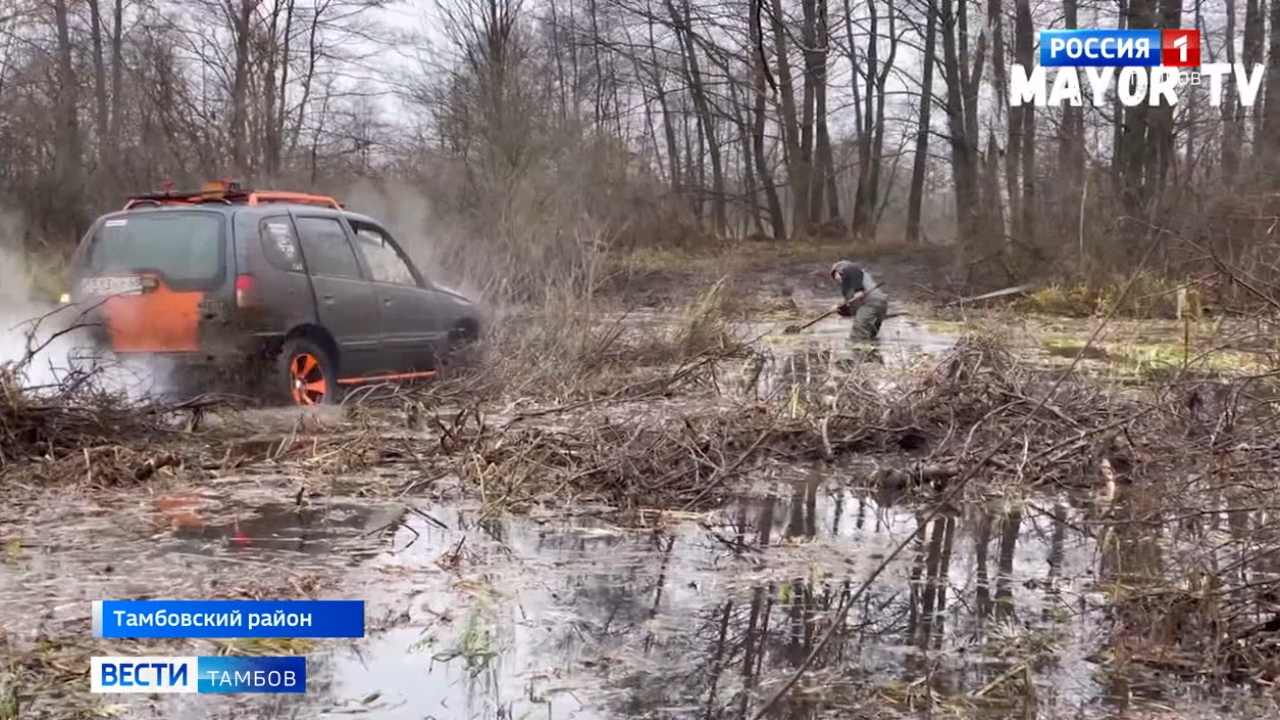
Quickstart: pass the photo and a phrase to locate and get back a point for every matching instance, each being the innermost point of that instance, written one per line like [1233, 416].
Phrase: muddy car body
[291, 289]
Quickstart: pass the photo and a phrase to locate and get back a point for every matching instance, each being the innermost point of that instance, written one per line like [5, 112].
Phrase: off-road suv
[303, 294]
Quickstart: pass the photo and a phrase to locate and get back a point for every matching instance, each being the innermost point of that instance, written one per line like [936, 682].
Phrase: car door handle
[386, 301]
[328, 298]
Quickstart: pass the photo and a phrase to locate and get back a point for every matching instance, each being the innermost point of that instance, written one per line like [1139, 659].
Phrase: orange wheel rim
[306, 379]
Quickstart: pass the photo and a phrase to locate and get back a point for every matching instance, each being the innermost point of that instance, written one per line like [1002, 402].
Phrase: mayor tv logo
[1134, 67]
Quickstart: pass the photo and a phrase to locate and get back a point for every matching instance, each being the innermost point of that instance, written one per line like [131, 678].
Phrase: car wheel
[310, 374]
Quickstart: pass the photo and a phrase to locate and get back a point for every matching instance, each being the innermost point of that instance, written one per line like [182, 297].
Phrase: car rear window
[182, 246]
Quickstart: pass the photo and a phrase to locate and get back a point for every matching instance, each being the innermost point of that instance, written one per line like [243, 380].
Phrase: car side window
[326, 248]
[280, 243]
[384, 261]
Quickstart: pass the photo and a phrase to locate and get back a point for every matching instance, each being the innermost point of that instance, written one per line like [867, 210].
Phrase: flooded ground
[998, 609]
[510, 617]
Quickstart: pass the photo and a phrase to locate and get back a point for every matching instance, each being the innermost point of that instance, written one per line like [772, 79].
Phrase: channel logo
[197, 675]
[1120, 48]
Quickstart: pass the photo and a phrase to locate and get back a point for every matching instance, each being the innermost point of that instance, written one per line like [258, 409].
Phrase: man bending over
[864, 300]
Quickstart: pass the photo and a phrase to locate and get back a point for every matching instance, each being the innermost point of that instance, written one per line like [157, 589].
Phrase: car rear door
[283, 295]
[413, 328]
[346, 303]
[146, 277]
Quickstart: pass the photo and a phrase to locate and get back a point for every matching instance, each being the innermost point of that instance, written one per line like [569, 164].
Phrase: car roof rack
[228, 192]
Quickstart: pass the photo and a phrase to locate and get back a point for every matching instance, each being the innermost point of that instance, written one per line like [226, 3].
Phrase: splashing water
[42, 343]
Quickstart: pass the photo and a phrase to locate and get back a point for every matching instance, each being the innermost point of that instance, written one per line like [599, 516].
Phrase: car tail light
[244, 291]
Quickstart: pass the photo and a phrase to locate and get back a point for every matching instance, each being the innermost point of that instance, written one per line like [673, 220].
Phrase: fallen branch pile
[639, 453]
[79, 430]
[657, 463]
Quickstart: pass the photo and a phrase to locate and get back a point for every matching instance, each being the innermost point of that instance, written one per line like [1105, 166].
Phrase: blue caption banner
[197, 675]
[228, 618]
[1099, 48]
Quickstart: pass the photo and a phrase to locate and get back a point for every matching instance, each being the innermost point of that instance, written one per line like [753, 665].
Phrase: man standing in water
[864, 301]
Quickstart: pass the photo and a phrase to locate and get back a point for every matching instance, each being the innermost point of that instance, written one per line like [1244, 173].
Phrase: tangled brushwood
[978, 401]
[76, 418]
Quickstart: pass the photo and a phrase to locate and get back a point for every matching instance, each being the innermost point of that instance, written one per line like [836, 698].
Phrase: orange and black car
[305, 294]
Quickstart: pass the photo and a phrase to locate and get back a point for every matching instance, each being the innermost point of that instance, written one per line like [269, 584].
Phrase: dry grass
[1151, 296]
[575, 349]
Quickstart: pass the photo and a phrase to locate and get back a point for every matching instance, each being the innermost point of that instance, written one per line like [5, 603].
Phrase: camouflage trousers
[867, 320]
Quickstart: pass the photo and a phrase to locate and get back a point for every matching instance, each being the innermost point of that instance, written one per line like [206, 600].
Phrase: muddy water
[819, 360]
[511, 617]
[475, 617]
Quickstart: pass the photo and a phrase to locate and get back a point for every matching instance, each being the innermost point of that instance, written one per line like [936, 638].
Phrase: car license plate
[106, 286]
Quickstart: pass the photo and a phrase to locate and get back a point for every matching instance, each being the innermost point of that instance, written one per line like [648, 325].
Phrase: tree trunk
[864, 197]
[1232, 111]
[1132, 150]
[826, 175]
[750, 190]
[68, 152]
[105, 141]
[668, 118]
[1024, 50]
[1271, 102]
[777, 221]
[966, 165]
[1162, 151]
[920, 164]
[876, 175]
[1071, 155]
[117, 69]
[242, 16]
[1255, 29]
[683, 25]
[790, 120]
[803, 184]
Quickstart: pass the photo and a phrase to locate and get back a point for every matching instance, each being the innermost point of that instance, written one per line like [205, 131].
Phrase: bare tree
[920, 162]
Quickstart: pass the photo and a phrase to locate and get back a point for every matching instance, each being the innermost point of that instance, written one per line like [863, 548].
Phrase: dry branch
[631, 452]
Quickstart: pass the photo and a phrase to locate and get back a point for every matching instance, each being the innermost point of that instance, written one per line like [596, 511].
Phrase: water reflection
[473, 616]
[804, 370]
[280, 527]
[896, 636]
[707, 620]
